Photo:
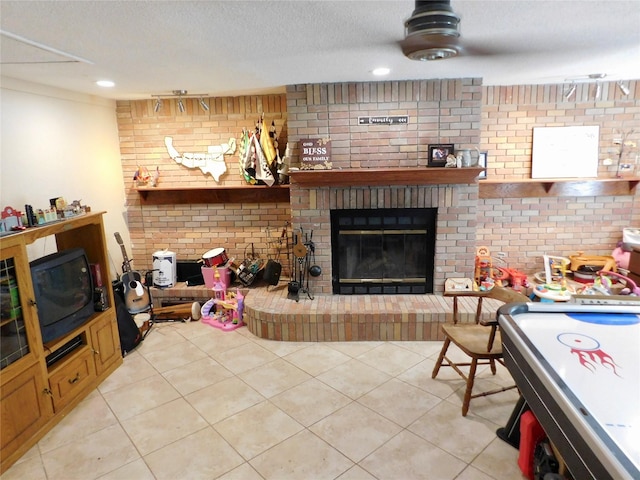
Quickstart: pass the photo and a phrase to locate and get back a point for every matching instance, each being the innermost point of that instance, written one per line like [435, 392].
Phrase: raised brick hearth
[269, 314]
[331, 318]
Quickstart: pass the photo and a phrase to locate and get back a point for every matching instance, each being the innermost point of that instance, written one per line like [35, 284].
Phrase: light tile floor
[193, 402]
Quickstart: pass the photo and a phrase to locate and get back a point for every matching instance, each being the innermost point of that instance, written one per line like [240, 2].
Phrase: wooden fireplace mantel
[229, 194]
[384, 176]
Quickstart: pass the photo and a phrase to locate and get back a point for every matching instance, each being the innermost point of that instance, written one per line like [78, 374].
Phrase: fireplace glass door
[383, 251]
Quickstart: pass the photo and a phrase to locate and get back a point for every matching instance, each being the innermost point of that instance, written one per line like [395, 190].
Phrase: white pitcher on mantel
[467, 157]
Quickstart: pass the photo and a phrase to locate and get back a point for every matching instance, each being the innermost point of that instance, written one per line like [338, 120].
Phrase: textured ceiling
[222, 48]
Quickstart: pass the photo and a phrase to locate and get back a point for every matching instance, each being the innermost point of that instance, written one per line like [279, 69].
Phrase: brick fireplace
[453, 192]
[385, 166]
[329, 317]
[382, 251]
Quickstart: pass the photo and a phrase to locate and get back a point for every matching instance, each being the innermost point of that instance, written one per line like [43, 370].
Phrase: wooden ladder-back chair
[479, 340]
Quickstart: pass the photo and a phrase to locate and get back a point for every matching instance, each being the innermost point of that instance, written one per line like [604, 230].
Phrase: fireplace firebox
[383, 251]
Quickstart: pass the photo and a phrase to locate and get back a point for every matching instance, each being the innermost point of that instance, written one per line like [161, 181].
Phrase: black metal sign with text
[384, 120]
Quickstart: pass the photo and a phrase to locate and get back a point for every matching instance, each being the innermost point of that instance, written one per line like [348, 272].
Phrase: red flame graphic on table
[588, 351]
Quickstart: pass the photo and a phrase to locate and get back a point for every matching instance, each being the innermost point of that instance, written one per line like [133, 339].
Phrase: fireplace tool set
[301, 269]
[273, 269]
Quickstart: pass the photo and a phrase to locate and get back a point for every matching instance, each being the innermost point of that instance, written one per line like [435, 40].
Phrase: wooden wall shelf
[515, 188]
[355, 177]
[232, 194]
[561, 187]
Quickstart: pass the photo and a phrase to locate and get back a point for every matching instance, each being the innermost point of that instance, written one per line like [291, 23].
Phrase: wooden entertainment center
[35, 393]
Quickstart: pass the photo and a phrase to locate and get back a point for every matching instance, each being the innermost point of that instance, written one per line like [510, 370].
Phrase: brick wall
[461, 111]
[192, 229]
[527, 228]
[440, 111]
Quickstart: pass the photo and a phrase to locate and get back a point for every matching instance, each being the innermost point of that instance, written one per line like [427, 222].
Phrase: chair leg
[443, 352]
[470, 380]
[492, 362]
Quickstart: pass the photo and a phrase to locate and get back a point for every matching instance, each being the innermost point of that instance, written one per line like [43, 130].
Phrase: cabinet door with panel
[25, 403]
[26, 407]
[19, 328]
[105, 341]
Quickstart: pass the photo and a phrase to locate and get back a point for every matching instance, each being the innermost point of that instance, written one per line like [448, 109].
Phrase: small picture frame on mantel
[482, 163]
[438, 154]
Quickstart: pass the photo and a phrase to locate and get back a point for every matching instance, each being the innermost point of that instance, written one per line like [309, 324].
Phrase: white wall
[59, 143]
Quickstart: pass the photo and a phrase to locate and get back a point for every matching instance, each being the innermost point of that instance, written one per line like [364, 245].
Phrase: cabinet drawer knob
[75, 380]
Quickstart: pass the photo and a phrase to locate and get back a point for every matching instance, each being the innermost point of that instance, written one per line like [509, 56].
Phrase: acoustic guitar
[136, 295]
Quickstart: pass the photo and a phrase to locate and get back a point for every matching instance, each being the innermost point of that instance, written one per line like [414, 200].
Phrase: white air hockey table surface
[578, 369]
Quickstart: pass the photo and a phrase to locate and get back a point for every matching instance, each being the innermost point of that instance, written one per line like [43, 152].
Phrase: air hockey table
[578, 370]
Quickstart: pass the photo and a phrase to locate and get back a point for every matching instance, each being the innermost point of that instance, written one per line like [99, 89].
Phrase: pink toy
[240, 300]
[223, 314]
[621, 257]
[219, 288]
[635, 290]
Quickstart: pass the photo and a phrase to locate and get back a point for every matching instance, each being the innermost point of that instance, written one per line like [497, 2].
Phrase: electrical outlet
[607, 161]
[501, 254]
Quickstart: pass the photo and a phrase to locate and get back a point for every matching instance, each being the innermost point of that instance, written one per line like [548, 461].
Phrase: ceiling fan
[431, 33]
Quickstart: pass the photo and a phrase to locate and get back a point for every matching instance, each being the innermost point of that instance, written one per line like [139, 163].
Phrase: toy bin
[209, 276]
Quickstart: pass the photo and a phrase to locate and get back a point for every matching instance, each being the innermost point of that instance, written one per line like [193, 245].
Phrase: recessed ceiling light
[381, 71]
[105, 83]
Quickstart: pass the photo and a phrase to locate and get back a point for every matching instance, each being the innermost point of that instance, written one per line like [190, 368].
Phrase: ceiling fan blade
[477, 51]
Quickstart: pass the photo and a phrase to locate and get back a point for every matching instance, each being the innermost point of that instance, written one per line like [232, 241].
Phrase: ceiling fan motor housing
[431, 31]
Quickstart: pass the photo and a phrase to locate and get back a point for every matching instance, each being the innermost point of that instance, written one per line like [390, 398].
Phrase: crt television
[63, 288]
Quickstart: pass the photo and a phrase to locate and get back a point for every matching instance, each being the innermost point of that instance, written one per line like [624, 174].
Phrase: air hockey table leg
[510, 433]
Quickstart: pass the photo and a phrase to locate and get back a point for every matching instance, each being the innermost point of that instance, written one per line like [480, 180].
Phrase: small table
[180, 293]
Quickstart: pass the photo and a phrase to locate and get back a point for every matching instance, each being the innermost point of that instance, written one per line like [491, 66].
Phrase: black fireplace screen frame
[371, 232]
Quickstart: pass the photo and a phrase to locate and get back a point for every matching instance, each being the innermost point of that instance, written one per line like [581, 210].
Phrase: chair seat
[472, 339]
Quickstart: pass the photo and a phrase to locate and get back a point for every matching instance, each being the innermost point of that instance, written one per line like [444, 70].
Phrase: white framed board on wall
[565, 152]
